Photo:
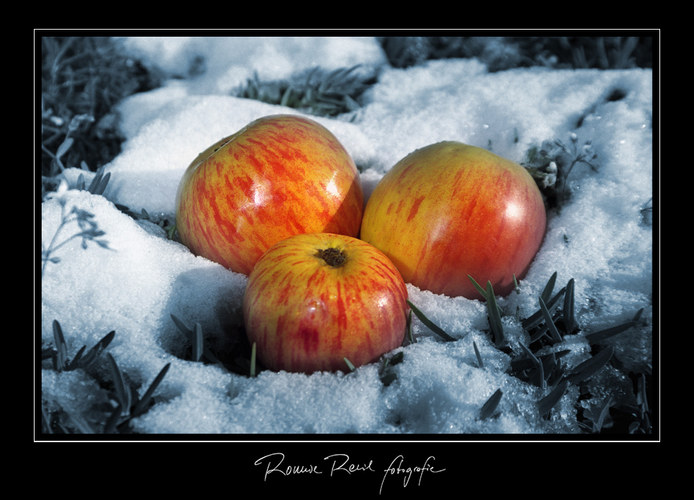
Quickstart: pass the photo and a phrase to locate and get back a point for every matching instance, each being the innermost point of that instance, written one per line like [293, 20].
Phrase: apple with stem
[320, 301]
[448, 211]
[279, 176]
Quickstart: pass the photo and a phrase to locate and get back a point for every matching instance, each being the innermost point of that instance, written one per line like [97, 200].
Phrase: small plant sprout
[200, 352]
[386, 372]
[551, 163]
[81, 360]
[89, 232]
[430, 324]
[317, 91]
[128, 404]
[98, 184]
[493, 312]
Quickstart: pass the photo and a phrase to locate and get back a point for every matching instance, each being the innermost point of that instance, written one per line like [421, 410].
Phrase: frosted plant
[89, 232]
[551, 163]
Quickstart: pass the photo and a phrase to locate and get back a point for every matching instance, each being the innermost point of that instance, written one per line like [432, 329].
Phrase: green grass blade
[99, 183]
[143, 404]
[349, 364]
[477, 354]
[409, 336]
[95, 351]
[479, 288]
[430, 324]
[60, 359]
[285, 97]
[113, 421]
[197, 342]
[554, 333]
[549, 287]
[599, 336]
[591, 366]
[602, 415]
[536, 318]
[548, 402]
[568, 309]
[488, 408]
[122, 389]
[181, 326]
[253, 360]
[531, 356]
[75, 362]
[494, 316]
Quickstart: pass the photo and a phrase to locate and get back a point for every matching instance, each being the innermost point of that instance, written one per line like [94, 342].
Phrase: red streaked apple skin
[305, 315]
[449, 210]
[279, 176]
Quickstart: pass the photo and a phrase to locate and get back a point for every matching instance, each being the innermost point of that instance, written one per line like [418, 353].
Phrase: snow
[142, 278]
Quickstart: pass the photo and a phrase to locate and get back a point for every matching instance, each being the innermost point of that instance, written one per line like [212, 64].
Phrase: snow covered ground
[135, 285]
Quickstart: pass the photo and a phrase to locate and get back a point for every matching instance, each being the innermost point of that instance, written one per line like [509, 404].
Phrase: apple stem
[332, 256]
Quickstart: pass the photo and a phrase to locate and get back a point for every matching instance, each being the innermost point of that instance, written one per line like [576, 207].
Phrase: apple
[279, 176]
[449, 210]
[313, 300]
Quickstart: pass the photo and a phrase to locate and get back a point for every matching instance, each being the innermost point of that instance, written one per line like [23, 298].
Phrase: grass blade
[121, 388]
[190, 335]
[494, 316]
[556, 336]
[75, 362]
[570, 323]
[60, 358]
[602, 415]
[537, 377]
[548, 402]
[285, 96]
[253, 360]
[143, 404]
[599, 336]
[181, 326]
[99, 183]
[409, 336]
[113, 420]
[591, 366]
[429, 324]
[349, 364]
[98, 348]
[549, 287]
[488, 408]
[518, 363]
[197, 342]
[533, 358]
[479, 288]
[536, 318]
[477, 354]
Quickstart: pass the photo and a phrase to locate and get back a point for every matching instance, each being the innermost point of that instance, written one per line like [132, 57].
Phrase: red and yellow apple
[313, 300]
[279, 176]
[449, 210]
